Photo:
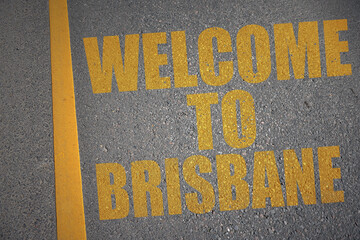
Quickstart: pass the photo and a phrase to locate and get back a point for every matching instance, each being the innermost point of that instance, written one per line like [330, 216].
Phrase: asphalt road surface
[157, 120]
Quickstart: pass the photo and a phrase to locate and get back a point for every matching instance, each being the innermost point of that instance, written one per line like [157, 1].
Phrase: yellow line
[69, 199]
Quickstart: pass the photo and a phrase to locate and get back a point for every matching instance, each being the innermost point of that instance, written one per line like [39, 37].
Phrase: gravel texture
[158, 124]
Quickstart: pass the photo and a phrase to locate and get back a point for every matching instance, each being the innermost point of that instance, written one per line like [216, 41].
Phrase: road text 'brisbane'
[233, 191]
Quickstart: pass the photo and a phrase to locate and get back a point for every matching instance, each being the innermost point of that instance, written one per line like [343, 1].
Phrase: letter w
[101, 75]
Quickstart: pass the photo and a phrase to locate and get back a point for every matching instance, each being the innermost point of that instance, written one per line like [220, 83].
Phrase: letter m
[307, 43]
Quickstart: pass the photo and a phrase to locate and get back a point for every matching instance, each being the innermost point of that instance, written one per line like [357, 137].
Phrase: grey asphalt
[158, 124]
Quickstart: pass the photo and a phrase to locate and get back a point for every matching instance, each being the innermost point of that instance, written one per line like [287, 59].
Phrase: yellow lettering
[152, 61]
[180, 63]
[206, 56]
[245, 57]
[106, 190]
[200, 184]
[327, 174]
[295, 176]
[126, 74]
[307, 43]
[202, 104]
[230, 122]
[265, 164]
[141, 186]
[333, 48]
[227, 180]
[173, 185]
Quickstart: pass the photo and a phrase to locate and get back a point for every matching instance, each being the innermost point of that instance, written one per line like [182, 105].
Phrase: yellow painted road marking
[69, 200]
